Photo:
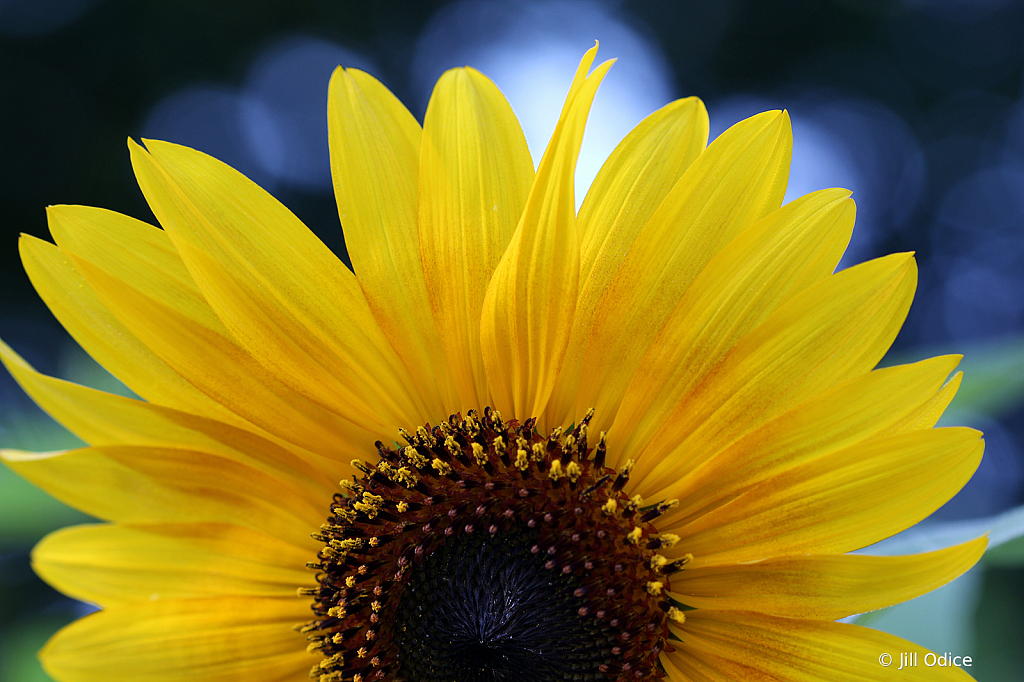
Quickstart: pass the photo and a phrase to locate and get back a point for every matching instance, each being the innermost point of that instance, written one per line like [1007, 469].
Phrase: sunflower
[518, 443]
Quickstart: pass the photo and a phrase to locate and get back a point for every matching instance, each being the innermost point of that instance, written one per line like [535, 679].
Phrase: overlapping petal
[375, 156]
[839, 502]
[750, 167]
[782, 255]
[102, 335]
[282, 294]
[529, 305]
[628, 189]
[475, 174]
[101, 418]
[753, 646]
[224, 639]
[822, 586]
[151, 291]
[833, 331]
[119, 564]
[883, 402]
[135, 484]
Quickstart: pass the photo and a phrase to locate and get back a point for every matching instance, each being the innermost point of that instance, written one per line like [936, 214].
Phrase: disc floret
[549, 565]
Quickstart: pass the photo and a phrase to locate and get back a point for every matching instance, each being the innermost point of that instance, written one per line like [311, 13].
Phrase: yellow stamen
[479, 454]
[573, 471]
[405, 476]
[414, 457]
[522, 459]
[668, 539]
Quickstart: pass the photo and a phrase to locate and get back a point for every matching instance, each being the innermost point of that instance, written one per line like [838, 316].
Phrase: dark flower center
[483, 608]
[483, 551]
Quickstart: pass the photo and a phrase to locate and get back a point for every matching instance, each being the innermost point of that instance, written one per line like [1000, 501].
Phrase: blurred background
[915, 105]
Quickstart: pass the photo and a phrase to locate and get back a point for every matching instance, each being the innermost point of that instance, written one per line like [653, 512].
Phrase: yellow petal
[528, 309]
[927, 415]
[783, 254]
[102, 335]
[833, 331]
[796, 650]
[112, 564]
[101, 418]
[375, 158]
[878, 403]
[175, 322]
[823, 587]
[634, 181]
[283, 295]
[229, 639]
[839, 502]
[739, 179]
[117, 242]
[172, 318]
[683, 665]
[152, 485]
[475, 174]
[624, 195]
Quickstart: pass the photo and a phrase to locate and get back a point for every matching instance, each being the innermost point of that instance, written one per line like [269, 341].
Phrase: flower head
[517, 443]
